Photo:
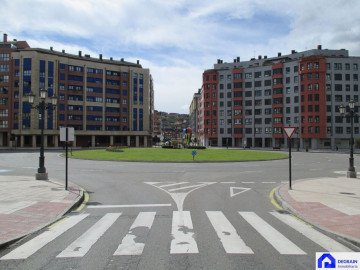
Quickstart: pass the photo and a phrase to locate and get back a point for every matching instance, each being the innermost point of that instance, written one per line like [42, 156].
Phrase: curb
[345, 238]
[76, 203]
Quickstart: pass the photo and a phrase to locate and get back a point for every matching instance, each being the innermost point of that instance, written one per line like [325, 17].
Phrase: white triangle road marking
[233, 191]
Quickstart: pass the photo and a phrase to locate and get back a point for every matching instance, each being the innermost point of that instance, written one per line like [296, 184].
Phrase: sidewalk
[331, 204]
[27, 205]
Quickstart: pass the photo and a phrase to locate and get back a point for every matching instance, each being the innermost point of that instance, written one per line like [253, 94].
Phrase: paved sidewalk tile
[331, 203]
[27, 205]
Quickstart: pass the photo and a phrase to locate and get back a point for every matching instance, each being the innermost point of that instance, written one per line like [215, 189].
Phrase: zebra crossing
[183, 235]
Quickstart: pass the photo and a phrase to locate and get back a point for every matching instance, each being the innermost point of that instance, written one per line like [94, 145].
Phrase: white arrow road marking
[234, 193]
[179, 197]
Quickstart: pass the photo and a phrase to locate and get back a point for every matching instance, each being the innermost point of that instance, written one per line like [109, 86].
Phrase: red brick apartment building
[246, 103]
[106, 101]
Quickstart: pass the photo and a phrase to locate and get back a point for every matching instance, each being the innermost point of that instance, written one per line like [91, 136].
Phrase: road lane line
[173, 184]
[30, 247]
[274, 237]
[230, 239]
[182, 232]
[128, 206]
[187, 187]
[128, 246]
[82, 245]
[314, 235]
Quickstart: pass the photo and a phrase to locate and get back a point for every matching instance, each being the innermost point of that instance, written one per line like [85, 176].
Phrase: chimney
[138, 62]
[265, 56]
[259, 57]
[100, 56]
[111, 58]
[80, 53]
[122, 60]
[238, 59]
[293, 51]
[63, 51]
[51, 48]
[234, 60]
[5, 37]
[319, 47]
[218, 61]
[279, 54]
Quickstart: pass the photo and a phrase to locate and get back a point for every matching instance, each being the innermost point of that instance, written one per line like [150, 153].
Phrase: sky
[179, 39]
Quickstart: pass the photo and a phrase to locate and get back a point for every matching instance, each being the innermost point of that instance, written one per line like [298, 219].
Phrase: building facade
[194, 116]
[246, 103]
[108, 102]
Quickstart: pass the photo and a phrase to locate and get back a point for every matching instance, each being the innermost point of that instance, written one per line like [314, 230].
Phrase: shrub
[116, 148]
[197, 147]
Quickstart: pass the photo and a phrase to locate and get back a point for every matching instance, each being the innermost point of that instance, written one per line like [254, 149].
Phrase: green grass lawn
[177, 155]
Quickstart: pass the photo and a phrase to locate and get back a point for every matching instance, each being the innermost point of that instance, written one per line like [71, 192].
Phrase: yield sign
[289, 131]
[237, 190]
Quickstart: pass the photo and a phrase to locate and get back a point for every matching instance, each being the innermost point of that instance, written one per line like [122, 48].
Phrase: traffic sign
[289, 131]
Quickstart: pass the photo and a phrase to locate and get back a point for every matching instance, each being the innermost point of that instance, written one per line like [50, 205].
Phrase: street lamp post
[351, 173]
[41, 107]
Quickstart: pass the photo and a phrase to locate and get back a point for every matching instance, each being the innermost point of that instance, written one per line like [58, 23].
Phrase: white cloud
[179, 39]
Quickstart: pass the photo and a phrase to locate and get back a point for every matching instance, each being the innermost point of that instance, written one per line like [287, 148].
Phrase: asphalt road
[175, 215]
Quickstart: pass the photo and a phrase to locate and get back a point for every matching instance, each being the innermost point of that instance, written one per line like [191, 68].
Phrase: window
[248, 75]
[237, 76]
[338, 66]
[257, 83]
[309, 65]
[5, 68]
[258, 74]
[338, 77]
[316, 65]
[267, 73]
[4, 57]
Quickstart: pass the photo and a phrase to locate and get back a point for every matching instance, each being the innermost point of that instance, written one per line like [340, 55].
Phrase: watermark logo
[337, 260]
[326, 261]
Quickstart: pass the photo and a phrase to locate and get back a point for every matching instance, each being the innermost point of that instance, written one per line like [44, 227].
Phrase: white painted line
[29, 248]
[268, 182]
[275, 238]
[82, 245]
[173, 184]
[248, 182]
[314, 235]
[227, 182]
[234, 193]
[187, 187]
[128, 205]
[128, 245]
[230, 239]
[182, 232]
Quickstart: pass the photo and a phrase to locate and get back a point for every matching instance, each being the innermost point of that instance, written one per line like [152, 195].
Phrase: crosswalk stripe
[128, 245]
[230, 239]
[83, 244]
[314, 235]
[182, 232]
[32, 246]
[274, 237]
